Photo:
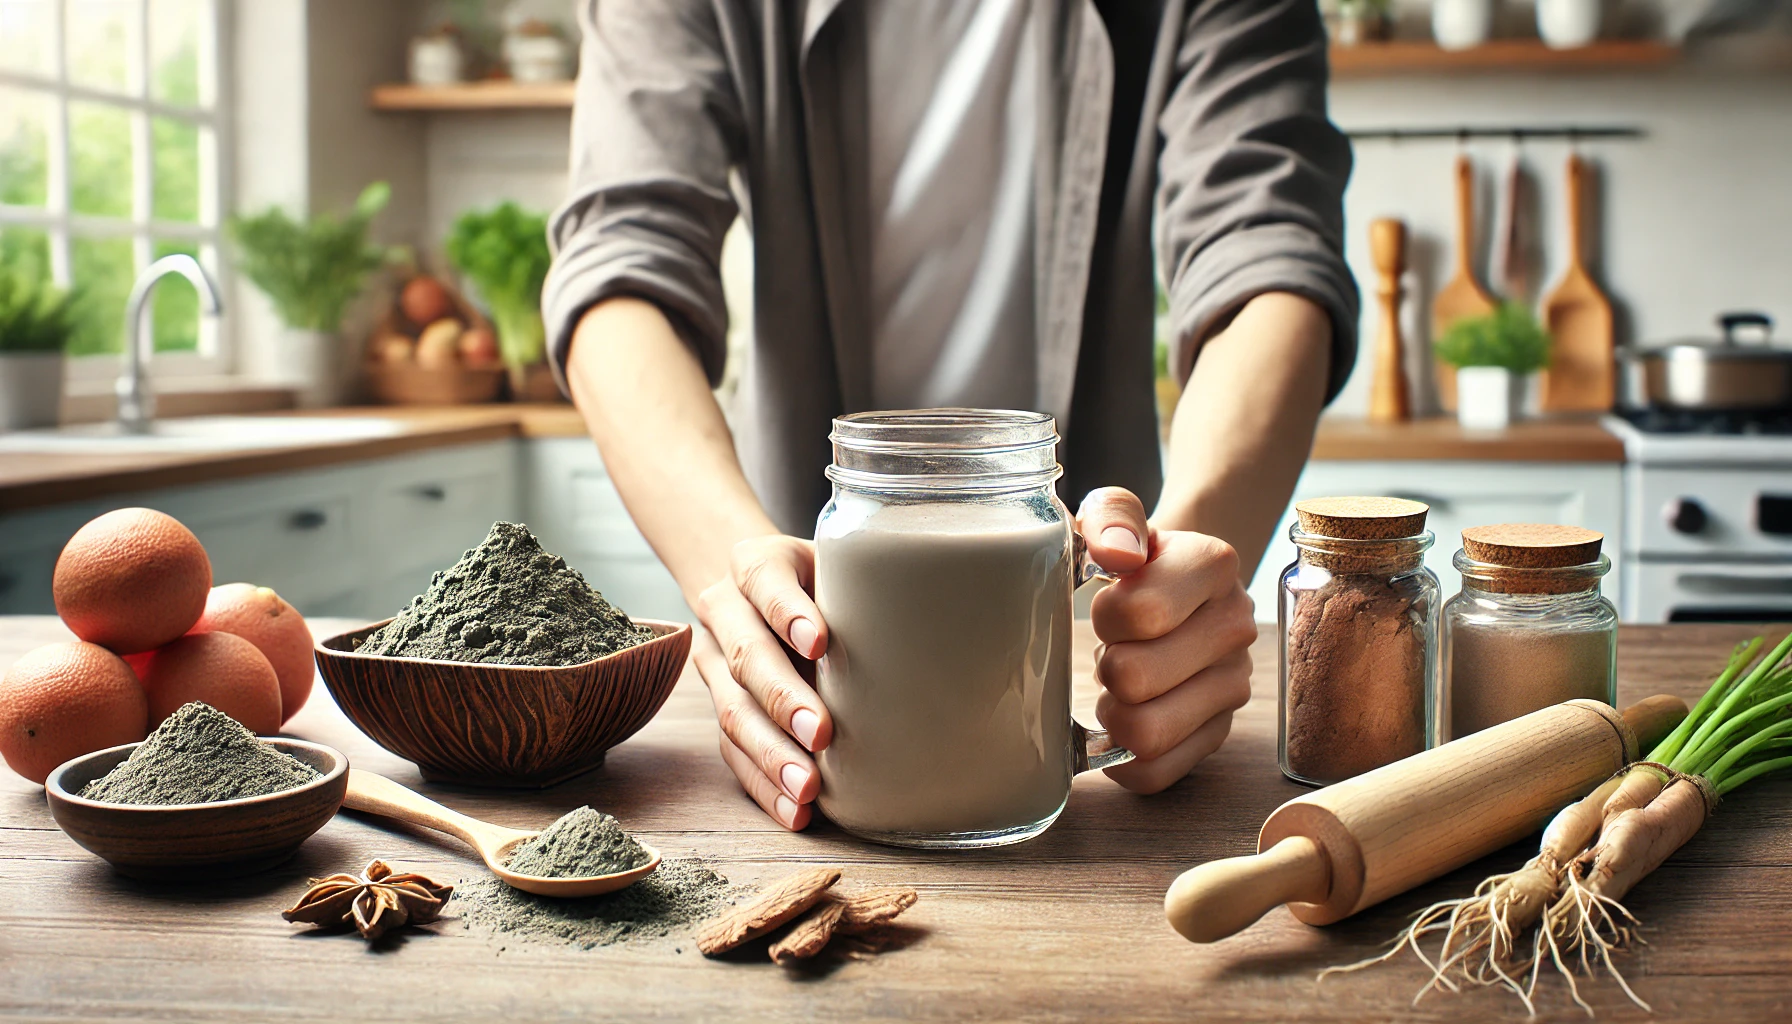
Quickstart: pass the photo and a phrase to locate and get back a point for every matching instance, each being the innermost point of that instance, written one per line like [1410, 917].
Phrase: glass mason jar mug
[944, 566]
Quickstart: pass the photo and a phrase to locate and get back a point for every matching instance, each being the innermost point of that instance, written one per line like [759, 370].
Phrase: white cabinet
[357, 539]
[1462, 494]
[574, 508]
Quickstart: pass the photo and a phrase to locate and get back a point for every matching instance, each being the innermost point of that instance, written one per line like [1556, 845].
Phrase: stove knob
[1685, 515]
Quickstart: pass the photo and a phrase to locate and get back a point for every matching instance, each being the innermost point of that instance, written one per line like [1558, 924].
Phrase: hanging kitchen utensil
[1462, 295]
[1582, 371]
[1349, 846]
[1728, 375]
[1390, 399]
[1515, 256]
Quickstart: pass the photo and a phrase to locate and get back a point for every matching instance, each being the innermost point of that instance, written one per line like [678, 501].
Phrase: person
[955, 203]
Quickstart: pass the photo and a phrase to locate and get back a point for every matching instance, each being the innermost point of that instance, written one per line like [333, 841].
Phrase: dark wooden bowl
[503, 725]
[197, 841]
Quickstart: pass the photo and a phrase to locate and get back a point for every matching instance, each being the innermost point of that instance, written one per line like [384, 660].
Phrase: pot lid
[1735, 344]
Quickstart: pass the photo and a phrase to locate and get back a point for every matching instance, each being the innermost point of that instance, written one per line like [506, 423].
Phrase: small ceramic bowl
[197, 841]
[503, 725]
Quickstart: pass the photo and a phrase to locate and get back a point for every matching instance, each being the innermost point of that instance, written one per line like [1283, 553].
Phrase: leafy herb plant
[1509, 337]
[504, 253]
[313, 269]
[35, 315]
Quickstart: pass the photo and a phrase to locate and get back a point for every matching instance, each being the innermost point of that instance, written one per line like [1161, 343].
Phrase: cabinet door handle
[307, 519]
[432, 492]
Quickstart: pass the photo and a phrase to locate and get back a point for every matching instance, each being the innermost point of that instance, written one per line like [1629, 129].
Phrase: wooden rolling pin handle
[1652, 718]
[1208, 902]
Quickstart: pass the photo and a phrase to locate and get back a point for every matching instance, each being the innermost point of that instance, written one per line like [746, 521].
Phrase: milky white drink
[948, 668]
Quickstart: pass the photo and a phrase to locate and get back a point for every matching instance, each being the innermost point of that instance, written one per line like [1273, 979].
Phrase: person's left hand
[1176, 629]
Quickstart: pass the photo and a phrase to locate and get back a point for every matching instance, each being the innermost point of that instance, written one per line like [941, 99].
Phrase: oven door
[1708, 591]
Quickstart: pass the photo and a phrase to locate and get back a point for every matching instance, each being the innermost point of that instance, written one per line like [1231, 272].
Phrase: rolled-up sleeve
[656, 131]
[1252, 173]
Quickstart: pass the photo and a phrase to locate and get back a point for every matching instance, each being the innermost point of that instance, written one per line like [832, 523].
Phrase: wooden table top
[1066, 927]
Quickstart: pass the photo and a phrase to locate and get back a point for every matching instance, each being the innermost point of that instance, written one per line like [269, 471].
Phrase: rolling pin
[1335, 851]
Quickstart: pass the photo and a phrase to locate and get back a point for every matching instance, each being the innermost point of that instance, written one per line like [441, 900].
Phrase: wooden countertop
[1066, 927]
[1551, 440]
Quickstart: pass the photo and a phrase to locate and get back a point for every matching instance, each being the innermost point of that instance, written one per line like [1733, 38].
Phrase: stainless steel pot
[1712, 376]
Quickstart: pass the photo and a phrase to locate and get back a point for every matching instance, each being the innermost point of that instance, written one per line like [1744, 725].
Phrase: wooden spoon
[1581, 376]
[1462, 295]
[377, 794]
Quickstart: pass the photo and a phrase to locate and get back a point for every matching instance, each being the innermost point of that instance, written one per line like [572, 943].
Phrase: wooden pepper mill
[1349, 846]
[1390, 399]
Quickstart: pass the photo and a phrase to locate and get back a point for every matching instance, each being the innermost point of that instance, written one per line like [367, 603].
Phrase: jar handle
[1091, 748]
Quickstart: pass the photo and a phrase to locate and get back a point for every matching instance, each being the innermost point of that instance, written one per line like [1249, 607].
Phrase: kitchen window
[112, 155]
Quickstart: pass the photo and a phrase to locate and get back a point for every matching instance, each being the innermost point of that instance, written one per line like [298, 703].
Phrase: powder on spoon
[581, 844]
[508, 602]
[678, 895]
[199, 755]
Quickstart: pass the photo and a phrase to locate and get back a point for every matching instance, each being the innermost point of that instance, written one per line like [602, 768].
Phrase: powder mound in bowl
[508, 602]
[581, 844]
[199, 755]
[678, 895]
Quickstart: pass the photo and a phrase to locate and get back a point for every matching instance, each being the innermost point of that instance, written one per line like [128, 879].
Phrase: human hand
[1175, 631]
[771, 718]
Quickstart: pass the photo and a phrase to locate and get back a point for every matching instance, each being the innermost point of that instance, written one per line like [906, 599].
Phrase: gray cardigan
[1197, 127]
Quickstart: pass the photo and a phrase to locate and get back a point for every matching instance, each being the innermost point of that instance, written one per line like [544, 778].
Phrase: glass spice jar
[1530, 627]
[1358, 614]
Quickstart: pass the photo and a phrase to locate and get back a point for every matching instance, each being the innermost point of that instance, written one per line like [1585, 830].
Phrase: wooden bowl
[503, 725]
[197, 841]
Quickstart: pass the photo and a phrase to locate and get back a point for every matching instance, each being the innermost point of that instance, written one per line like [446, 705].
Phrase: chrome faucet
[136, 403]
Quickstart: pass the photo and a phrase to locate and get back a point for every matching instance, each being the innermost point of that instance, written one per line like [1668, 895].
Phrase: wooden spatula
[1581, 375]
[1462, 295]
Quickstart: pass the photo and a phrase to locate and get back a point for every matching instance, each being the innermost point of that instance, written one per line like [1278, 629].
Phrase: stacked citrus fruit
[136, 587]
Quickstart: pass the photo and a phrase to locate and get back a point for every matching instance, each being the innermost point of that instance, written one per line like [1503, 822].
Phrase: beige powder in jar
[1498, 673]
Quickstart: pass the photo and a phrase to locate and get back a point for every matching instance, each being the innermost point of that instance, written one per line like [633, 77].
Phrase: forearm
[647, 404]
[1244, 424]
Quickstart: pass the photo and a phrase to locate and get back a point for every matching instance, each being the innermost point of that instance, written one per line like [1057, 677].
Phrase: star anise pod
[375, 901]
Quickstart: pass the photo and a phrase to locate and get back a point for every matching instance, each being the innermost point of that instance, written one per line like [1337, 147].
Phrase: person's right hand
[771, 718]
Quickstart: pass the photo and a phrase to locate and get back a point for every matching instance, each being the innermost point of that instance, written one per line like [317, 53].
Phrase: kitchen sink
[202, 434]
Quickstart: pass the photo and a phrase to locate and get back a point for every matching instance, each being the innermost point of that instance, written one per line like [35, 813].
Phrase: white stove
[1707, 518]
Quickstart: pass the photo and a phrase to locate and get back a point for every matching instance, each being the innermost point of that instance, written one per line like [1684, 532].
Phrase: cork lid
[1532, 545]
[1360, 518]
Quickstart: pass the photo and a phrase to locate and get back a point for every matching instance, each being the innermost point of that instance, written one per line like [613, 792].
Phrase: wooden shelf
[1402, 57]
[492, 95]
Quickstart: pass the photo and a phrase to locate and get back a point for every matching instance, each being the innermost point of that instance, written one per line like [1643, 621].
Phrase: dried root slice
[863, 911]
[780, 903]
[810, 935]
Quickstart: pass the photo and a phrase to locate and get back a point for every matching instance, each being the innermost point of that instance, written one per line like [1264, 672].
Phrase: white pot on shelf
[1567, 24]
[313, 364]
[1486, 396]
[1461, 24]
[30, 389]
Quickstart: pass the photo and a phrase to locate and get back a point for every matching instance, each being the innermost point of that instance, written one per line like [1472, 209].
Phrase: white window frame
[215, 355]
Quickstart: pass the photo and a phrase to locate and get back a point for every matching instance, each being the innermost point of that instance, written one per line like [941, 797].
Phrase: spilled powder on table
[667, 903]
[583, 843]
[199, 755]
[508, 602]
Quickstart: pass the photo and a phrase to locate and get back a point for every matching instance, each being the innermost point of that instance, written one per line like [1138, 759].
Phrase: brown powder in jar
[1355, 678]
[1498, 673]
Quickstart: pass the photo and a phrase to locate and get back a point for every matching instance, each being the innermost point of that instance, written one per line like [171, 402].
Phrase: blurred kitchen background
[133, 129]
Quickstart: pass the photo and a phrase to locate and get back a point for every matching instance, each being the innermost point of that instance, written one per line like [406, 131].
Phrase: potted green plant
[37, 319]
[503, 253]
[312, 270]
[1494, 355]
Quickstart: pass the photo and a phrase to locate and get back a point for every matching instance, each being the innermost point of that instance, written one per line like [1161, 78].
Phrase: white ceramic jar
[436, 59]
[537, 56]
[1566, 24]
[1485, 396]
[1461, 24]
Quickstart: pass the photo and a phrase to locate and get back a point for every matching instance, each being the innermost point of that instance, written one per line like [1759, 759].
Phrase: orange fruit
[276, 628]
[221, 669]
[64, 700]
[131, 580]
